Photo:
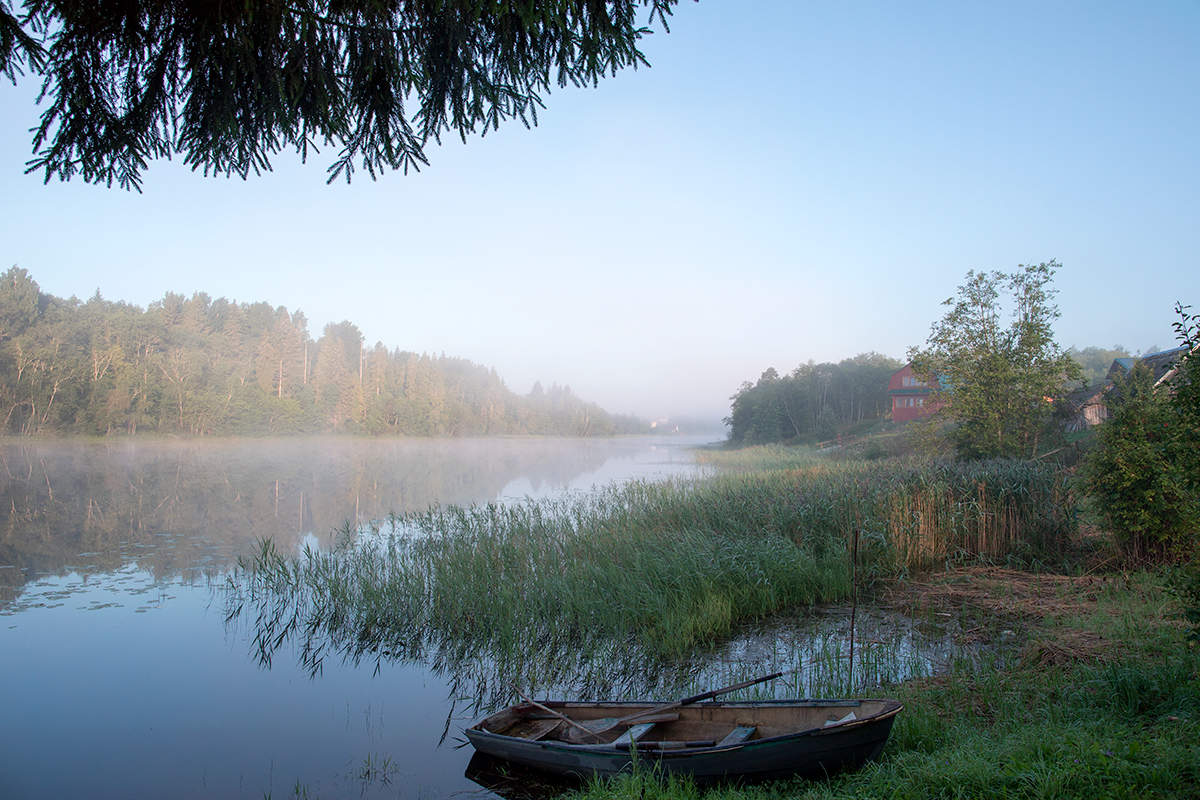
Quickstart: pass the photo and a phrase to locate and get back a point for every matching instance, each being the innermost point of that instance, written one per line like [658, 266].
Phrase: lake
[126, 679]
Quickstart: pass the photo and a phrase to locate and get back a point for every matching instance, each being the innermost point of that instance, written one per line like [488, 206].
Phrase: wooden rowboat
[708, 741]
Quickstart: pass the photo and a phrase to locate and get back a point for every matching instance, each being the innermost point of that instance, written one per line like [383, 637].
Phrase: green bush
[1144, 475]
[1137, 475]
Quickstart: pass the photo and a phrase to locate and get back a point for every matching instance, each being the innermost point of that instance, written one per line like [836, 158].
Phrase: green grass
[661, 570]
[1126, 724]
[762, 457]
[672, 566]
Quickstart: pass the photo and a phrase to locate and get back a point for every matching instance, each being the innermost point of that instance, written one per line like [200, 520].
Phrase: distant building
[1160, 364]
[911, 397]
[1089, 405]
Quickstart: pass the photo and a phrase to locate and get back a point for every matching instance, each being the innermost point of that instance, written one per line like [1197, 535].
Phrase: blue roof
[1169, 351]
[1159, 363]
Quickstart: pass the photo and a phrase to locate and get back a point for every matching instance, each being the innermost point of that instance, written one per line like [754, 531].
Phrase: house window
[909, 380]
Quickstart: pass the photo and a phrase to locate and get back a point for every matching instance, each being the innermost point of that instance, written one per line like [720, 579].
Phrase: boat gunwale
[890, 710]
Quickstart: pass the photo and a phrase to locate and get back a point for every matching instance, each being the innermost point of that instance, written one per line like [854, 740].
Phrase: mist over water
[122, 678]
[188, 509]
[126, 677]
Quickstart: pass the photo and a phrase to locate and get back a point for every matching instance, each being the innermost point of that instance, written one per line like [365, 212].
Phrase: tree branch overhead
[230, 85]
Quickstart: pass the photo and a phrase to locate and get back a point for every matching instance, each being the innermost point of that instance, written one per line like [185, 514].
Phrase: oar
[554, 713]
[603, 725]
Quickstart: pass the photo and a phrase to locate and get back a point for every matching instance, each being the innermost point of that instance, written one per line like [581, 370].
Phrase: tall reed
[671, 565]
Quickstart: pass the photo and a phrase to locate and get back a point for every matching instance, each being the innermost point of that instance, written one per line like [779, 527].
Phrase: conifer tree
[229, 85]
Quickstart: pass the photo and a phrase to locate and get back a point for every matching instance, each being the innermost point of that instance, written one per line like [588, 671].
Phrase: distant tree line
[1094, 362]
[812, 403]
[199, 366]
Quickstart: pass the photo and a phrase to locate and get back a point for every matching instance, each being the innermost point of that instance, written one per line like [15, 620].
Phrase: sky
[788, 182]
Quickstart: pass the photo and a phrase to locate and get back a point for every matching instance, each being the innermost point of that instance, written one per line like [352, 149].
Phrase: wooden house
[1161, 364]
[1089, 405]
[911, 397]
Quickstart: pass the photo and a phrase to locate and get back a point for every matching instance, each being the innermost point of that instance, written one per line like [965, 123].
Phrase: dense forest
[199, 366]
[814, 402]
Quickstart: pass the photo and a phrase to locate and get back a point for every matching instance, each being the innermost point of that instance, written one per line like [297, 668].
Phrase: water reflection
[108, 555]
[512, 781]
[130, 674]
[188, 509]
[484, 674]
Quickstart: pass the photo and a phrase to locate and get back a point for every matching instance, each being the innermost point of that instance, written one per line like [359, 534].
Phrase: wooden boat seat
[634, 734]
[541, 729]
[833, 719]
[737, 736]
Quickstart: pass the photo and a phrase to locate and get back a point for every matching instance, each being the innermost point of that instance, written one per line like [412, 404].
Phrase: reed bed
[666, 566]
[915, 514]
[759, 457]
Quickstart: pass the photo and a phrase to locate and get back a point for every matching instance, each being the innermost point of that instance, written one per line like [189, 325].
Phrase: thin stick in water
[853, 604]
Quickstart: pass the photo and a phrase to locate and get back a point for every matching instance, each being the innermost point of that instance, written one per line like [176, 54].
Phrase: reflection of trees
[173, 507]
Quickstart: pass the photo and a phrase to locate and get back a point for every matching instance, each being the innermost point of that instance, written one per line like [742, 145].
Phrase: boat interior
[699, 725]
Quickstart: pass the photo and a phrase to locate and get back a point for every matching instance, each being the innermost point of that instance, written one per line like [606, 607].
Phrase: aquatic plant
[666, 566]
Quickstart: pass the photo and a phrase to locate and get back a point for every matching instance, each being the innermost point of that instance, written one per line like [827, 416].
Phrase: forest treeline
[813, 402]
[817, 401]
[199, 366]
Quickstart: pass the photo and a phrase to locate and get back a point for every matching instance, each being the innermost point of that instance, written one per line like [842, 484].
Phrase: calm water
[121, 677]
[124, 679]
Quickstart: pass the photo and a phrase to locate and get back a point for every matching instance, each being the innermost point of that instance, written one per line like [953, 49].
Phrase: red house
[911, 397]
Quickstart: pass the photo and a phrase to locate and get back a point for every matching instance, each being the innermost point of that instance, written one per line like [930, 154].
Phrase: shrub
[1144, 475]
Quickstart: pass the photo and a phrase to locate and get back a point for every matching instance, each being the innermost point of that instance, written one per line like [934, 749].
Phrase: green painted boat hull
[812, 752]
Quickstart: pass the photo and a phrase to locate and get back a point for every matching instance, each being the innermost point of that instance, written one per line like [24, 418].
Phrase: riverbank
[674, 565]
[1100, 699]
[1072, 682]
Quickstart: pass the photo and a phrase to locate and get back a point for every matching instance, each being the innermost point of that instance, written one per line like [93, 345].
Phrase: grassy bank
[1103, 703]
[1092, 690]
[672, 565]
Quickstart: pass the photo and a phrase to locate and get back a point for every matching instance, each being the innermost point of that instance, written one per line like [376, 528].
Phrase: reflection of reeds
[668, 566]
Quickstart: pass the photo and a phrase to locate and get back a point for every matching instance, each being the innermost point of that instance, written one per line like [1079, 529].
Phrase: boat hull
[813, 752]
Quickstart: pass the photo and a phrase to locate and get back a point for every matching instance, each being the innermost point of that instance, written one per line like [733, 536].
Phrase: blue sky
[789, 181]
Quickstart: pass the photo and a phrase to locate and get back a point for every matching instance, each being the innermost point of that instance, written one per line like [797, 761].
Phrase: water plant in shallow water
[661, 567]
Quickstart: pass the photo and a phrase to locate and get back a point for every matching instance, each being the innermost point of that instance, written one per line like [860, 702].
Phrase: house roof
[1159, 363]
[1089, 395]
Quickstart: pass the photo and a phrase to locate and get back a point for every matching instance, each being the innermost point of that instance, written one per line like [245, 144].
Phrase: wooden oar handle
[697, 698]
[726, 690]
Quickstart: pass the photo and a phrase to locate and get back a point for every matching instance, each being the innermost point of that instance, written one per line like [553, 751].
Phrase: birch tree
[997, 368]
